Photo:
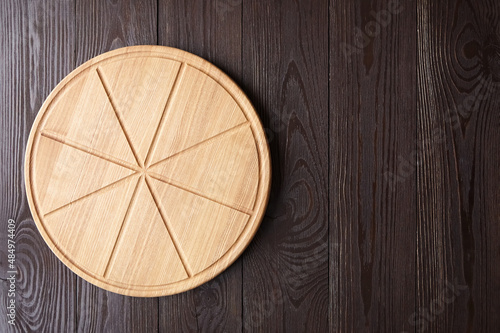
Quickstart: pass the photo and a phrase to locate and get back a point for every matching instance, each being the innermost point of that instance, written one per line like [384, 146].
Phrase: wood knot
[208, 297]
[491, 59]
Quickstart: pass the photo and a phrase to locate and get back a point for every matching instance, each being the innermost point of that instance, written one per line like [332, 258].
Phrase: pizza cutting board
[147, 171]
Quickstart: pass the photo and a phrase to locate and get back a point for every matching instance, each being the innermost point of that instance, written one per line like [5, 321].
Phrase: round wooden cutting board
[147, 171]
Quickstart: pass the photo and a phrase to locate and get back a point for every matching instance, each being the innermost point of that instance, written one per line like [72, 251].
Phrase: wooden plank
[458, 179]
[34, 34]
[372, 131]
[13, 135]
[285, 66]
[102, 26]
[211, 30]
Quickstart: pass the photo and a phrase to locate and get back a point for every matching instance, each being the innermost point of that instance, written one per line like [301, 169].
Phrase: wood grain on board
[458, 172]
[372, 117]
[165, 190]
[285, 70]
[45, 288]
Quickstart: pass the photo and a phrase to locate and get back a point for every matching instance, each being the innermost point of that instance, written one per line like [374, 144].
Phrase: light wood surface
[147, 171]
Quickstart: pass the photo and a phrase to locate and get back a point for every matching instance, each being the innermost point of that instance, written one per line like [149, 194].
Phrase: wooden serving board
[147, 171]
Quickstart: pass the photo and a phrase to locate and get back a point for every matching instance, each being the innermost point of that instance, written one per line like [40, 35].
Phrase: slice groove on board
[145, 240]
[70, 169]
[187, 117]
[84, 114]
[86, 230]
[205, 230]
[139, 84]
[226, 178]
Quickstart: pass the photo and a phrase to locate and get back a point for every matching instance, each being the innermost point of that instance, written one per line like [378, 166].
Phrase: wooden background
[385, 207]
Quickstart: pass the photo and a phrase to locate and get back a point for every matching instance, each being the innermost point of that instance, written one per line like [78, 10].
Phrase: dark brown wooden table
[384, 127]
